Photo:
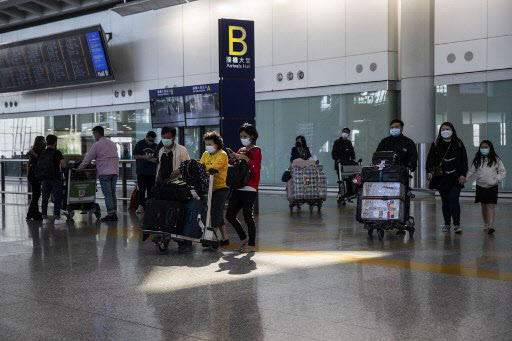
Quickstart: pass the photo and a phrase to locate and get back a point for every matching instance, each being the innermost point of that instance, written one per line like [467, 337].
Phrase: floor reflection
[316, 276]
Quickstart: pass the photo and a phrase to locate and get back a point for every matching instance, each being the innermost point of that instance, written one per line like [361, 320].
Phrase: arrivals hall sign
[236, 48]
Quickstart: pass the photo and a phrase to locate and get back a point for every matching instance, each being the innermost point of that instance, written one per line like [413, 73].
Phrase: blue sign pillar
[236, 73]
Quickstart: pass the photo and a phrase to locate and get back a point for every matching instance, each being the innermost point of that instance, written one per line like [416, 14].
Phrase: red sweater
[254, 156]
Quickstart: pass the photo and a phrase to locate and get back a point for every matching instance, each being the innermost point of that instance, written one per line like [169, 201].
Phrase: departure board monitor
[187, 106]
[65, 59]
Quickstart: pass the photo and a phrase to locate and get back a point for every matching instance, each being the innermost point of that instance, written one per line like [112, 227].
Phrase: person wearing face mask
[104, 152]
[216, 158]
[145, 154]
[170, 156]
[489, 171]
[447, 166]
[343, 153]
[301, 150]
[244, 198]
[403, 146]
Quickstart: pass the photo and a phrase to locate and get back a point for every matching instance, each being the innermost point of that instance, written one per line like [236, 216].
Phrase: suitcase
[382, 209]
[387, 174]
[195, 211]
[384, 189]
[359, 206]
[308, 182]
[164, 216]
[172, 191]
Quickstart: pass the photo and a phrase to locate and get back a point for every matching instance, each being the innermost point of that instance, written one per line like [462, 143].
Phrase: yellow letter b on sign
[233, 40]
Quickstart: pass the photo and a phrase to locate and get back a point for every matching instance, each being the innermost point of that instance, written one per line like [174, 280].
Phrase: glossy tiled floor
[316, 276]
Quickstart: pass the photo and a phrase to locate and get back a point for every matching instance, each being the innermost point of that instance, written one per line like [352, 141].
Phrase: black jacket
[343, 151]
[296, 154]
[404, 147]
[452, 169]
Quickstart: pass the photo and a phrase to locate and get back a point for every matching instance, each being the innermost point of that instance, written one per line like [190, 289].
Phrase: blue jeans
[108, 187]
[52, 187]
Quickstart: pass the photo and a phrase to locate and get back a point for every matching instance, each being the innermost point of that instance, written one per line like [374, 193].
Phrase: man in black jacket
[343, 153]
[403, 146]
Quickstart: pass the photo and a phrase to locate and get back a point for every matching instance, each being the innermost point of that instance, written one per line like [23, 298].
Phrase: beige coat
[179, 155]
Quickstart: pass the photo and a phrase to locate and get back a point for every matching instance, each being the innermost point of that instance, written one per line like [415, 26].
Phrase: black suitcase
[172, 191]
[359, 205]
[387, 174]
[164, 216]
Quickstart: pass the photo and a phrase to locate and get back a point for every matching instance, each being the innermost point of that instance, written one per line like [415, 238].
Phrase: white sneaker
[45, 221]
[446, 228]
[457, 229]
[243, 243]
[59, 221]
[247, 249]
[140, 210]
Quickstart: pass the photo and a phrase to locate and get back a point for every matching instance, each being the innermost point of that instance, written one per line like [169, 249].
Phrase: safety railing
[16, 171]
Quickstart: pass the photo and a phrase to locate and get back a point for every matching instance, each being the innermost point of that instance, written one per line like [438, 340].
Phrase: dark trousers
[52, 187]
[451, 205]
[33, 209]
[242, 200]
[145, 183]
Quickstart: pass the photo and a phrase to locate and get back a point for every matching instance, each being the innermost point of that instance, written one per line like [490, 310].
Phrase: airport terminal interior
[367, 139]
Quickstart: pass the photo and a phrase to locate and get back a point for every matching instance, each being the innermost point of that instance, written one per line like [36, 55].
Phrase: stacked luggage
[179, 209]
[308, 185]
[384, 200]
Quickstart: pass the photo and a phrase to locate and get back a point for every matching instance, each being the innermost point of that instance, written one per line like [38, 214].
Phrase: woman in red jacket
[243, 198]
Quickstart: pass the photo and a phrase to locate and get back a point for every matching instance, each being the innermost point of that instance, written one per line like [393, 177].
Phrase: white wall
[333, 41]
[476, 34]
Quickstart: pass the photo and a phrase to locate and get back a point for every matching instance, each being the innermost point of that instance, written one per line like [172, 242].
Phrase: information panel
[185, 106]
[69, 58]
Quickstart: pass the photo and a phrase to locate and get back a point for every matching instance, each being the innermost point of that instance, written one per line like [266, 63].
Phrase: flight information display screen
[196, 105]
[64, 59]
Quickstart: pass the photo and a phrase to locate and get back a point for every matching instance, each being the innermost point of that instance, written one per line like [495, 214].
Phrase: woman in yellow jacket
[216, 158]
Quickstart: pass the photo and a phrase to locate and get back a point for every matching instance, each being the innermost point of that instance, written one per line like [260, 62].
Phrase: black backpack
[238, 174]
[194, 174]
[45, 168]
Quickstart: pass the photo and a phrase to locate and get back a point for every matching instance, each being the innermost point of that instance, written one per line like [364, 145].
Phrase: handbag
[437, 171]
[286, 176]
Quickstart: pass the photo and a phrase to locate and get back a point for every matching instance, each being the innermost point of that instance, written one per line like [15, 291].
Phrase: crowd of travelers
[447, 169]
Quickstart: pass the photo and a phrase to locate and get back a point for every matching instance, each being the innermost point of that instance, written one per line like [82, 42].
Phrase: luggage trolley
[209, 238]
[343, 171]
[80, 192]
[384, 201]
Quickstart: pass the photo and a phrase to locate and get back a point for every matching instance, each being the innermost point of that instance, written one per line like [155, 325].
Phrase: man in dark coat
[343, 150]
[403, 146]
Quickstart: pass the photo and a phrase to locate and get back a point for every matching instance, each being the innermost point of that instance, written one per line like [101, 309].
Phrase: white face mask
[395, 131]
[446, 134]
[344, 135]
[210, 149]
[245, 142]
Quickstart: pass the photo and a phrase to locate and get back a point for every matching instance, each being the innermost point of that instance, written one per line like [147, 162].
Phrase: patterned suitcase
[308, 183]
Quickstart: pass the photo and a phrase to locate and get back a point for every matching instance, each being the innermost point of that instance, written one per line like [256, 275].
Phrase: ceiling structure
[15, 14]
[23, 13]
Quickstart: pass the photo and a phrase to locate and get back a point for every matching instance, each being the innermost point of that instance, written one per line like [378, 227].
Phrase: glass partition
[320, 120]
[479, 111]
